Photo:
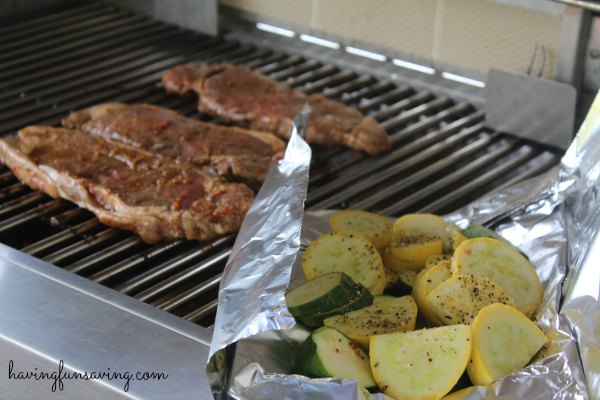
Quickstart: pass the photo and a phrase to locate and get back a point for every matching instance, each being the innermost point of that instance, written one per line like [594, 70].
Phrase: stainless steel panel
[533, 108]
[48, 315]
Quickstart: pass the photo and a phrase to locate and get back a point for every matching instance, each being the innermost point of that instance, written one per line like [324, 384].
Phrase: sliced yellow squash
[458, 299]
[394, 263]
[427, 280]
[391, 277]
[416, 237]
[351, 254]
[376, 228]
[420, 224]
[385, 315]
[423, 364]
[407, 277]
[504, 340]
[416, 248]
[503, 264]
[456, 235]
[433, 260]
[462, 394]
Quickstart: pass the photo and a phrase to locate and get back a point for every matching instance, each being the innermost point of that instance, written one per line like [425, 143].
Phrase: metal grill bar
[455, 177]
[117, 269]
[175, 264]
[82, 247]
[190, 295]
[202, 312]
[91, 54]
[419, 144]
[433, 169]
[91, 24]
[60, 239]
[542, 163]
[8, 33]
[180, 277]
[83, 67]
[115, 28]
[442, 154]
[30, 215]
[83, 266]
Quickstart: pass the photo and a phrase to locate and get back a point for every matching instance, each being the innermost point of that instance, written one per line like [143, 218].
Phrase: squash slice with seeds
[385, 315]
[377, 229]
[423, 364]
[458, 300]
[341, 252]
[504, 340]
[503, 264]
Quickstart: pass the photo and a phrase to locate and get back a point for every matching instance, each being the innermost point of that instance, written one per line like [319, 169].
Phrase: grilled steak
[126, 187]
[240, 95]
[237, 153]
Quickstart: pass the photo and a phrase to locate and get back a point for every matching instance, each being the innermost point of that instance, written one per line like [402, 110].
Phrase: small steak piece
[236, 153]
[240, 95]
[125, 187]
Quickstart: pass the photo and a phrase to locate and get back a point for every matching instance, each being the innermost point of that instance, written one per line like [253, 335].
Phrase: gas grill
[443, 155]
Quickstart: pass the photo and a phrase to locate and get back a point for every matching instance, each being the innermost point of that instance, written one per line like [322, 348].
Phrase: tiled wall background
[476, 34]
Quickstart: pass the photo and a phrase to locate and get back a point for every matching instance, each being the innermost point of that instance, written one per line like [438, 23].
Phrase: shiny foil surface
[553, 218]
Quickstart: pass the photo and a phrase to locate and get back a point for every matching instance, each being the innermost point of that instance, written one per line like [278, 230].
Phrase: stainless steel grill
[443, 155]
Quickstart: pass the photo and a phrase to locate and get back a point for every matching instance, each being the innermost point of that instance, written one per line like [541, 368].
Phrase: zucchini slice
[504, 340]
[328, 353]
[458, 299]
[323, 293]
[423, 364]
[363, 299]
[375, 228]
[503, 264]
[427, 280]
[343, 252]
[385, 315]
[477, 231]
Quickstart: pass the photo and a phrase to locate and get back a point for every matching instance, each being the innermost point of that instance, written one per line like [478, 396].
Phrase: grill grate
[443, 155]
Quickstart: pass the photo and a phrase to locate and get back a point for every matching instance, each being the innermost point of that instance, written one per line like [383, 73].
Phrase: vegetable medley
[472, 298]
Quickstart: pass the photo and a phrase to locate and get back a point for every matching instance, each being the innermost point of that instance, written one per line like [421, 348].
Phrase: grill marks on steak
[126, 187]
[240, 95]
[237, 153]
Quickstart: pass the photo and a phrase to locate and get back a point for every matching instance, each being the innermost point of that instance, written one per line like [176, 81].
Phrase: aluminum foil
[554, 219]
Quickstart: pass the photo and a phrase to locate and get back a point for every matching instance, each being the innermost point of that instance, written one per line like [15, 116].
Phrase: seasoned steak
[126, 187]
[237, 153]
[240, 95]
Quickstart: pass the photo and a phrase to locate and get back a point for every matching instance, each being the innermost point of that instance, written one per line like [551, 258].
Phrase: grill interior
[443, 156]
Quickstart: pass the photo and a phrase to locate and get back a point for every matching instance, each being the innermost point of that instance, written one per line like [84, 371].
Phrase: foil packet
[553, 218]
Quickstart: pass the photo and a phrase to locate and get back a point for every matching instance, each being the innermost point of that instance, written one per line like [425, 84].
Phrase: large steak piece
[125, 187]
[240, 95]
[235, 153]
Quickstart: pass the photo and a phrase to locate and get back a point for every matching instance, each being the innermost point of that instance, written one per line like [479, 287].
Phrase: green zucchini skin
[364, 299]
[307, 361]
[343, 292]
[328, 353]
[476, 231]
